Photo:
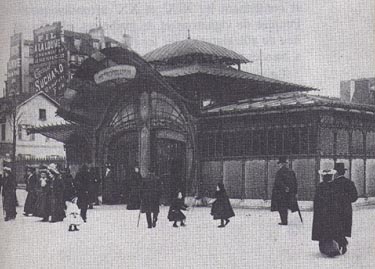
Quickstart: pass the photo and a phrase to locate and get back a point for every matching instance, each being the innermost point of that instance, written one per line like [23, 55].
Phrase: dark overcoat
[42, 205]
[326, 219]
[346, 194]
[221, 208]
[82, 182]
[31, 186]
[281, 199]
[69, 188]
[109, 187]
[135, 183]
[175, 213]
[9, 195]
[150, 195]
[56, 199]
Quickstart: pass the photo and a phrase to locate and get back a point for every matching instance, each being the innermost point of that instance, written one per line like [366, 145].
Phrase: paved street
[110, 239]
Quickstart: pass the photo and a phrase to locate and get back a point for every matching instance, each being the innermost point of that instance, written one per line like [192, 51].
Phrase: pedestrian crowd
[54, 195]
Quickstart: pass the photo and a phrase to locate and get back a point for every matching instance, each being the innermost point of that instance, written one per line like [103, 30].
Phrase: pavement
[111, 239]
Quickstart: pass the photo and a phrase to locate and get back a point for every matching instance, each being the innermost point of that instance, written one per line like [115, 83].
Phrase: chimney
[126, 41]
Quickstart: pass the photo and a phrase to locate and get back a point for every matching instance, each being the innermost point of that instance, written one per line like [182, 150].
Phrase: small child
[175, 214]
[73, 215]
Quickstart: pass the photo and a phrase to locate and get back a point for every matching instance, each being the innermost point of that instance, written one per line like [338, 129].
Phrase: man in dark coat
[284, 191]
[150, 198]
[346, 194]
[134, 194]
[31, 185]
[82, 183]
[9, 194]
[108, 185]
[69, 189]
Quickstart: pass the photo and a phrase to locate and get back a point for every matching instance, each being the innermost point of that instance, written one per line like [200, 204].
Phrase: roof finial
[188, 33]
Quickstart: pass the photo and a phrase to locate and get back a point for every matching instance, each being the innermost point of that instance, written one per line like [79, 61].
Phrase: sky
[315, 43]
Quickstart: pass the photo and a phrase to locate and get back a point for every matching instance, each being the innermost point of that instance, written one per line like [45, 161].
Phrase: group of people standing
[332, 219]
[48, 189]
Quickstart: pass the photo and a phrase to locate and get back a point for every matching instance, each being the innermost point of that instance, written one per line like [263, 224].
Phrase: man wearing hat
[31, 185]
[345, 195]
[9, 194]
[284, 191]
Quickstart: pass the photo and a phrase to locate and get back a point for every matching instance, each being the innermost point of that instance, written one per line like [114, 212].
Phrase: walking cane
[139, 217]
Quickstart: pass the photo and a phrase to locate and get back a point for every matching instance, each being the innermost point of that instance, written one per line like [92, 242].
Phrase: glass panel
[357, 142]
[342, 142]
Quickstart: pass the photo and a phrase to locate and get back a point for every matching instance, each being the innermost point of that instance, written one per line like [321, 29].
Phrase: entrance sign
[114, 73]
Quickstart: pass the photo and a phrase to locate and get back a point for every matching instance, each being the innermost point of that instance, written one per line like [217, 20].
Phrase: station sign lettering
[118, 72]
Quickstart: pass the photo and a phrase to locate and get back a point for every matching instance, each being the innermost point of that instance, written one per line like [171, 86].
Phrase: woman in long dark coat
[175, 214]
[326, 220]
[221, 208]
[42, 206]
[31, 185]
[9, 194]
[56, 195]
[135, 190]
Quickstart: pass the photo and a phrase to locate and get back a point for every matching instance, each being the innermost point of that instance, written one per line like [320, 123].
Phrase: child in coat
[175, 214]
[73, 215]
[221, 208]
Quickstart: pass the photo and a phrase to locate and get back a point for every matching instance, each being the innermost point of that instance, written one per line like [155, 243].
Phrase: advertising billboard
[14, 67]
[50, 65]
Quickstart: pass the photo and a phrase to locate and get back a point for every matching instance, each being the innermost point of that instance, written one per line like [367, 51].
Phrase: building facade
[188, 112]
[32, 110]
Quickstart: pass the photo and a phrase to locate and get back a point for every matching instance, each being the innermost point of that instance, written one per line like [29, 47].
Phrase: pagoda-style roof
[291, 102]
[180, 51]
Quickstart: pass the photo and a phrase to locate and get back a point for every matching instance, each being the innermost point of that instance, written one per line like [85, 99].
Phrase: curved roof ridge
[190, 47]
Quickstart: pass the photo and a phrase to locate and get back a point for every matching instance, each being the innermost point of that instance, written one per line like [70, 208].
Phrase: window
[96, 45]
[3, 137]
[32, 137]
[20, 132]
[77, 43]
[42, 114]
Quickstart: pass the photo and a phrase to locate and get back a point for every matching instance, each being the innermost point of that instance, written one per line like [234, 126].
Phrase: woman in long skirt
[175, 214]
[42, 206]
[326, 221]
[221, 208]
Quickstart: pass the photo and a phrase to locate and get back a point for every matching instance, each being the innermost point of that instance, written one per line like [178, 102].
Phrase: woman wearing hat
[326, 221]
[221, 208]
[31, 183]
[42, 206]
[9, 194]
[56, 196]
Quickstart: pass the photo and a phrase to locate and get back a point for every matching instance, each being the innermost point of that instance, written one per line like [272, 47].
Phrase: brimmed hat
[340, 167]
[282, 159]
[327, 172]
[6, 168]
[53, 168]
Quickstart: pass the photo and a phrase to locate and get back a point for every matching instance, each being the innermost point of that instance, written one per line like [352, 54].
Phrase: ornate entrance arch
[150, 130]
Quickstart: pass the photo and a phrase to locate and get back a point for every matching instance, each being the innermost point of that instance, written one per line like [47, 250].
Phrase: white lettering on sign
[115, 72]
